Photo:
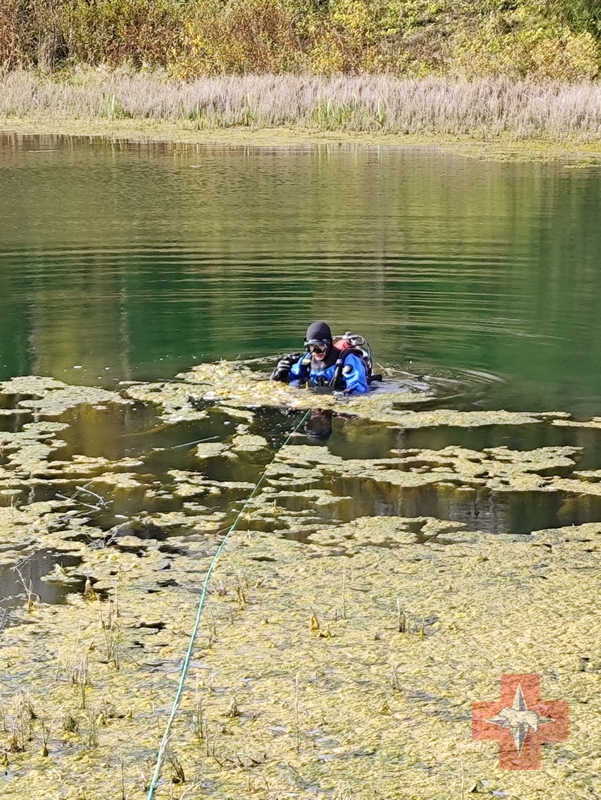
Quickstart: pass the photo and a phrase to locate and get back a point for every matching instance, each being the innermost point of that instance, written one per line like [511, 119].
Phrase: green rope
[178, 695]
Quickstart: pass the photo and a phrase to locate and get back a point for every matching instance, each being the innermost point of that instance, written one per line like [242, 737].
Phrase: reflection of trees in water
[122, 255]
[478, 509]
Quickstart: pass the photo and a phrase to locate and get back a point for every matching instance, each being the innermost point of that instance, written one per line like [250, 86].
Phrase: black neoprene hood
[318, 332]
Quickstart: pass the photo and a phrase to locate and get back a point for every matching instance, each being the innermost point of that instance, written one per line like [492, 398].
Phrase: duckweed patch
[345, 637]
[52, 398]
[237, 386]
[300, 668]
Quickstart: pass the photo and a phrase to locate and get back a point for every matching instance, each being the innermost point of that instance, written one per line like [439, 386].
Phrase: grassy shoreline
[176, 133]
[486, 118]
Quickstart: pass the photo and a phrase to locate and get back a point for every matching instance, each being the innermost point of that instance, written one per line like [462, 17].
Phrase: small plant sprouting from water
[3, 726]
[219, 588]
[403, 623]
[25, 713]
[90, 738]
[70, 723]
[198, 721]
[296, 714]
[178, 774]
[241, 596]
[31, 597]
[341, 612]
[232, 709]
[45, 736]
[88, 592]
[18, 725]
[316, 628]
[80, 675]
[401, 618]
[212, 628]
[111, 632]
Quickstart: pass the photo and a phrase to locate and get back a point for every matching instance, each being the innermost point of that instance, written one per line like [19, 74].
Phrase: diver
[341, 363]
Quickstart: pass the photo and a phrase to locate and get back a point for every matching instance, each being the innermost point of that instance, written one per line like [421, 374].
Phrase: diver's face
[318, 351]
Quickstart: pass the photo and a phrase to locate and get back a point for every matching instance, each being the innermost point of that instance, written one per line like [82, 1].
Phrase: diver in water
[341, 364]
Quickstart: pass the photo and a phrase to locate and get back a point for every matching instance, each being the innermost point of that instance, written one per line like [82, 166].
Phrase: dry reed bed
[484, 107]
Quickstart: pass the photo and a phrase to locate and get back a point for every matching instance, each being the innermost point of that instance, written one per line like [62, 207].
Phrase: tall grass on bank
[348, 103]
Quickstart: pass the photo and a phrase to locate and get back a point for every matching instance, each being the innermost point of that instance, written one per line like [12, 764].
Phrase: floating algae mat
[360, 607]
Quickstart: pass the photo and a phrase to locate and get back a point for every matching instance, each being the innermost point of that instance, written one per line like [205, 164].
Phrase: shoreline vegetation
[507, 78]
[486, 117]
[465, 39]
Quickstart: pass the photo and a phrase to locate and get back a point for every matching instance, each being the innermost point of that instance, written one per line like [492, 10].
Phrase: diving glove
[282, 369]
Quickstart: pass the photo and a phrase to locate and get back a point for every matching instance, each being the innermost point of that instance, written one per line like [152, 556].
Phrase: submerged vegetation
[343, 641]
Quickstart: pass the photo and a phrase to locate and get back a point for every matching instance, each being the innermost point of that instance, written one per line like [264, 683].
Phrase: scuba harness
[345, 345]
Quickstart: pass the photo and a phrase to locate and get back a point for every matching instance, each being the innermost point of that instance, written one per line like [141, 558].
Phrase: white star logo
[519, 719]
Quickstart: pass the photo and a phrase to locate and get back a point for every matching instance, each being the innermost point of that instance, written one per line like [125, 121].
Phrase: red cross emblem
[520, 721]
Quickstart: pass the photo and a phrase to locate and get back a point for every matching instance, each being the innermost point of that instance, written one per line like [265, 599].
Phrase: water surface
[122, 261]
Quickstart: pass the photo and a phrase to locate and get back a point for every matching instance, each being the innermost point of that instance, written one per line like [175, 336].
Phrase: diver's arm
[299, 371]
[355, 376]
[283, 369]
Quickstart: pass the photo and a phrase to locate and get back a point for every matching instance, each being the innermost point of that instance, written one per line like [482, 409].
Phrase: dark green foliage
[582, 15]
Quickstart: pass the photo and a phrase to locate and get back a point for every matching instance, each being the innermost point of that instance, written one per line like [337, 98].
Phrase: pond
[131, 261]
[362, 602]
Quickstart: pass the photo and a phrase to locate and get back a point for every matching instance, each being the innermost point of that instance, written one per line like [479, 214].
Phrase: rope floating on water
[180, 689]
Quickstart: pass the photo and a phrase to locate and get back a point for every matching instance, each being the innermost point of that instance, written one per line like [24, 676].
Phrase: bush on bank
[540, 39]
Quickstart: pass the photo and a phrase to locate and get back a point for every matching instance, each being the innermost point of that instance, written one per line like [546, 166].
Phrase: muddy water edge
[377, 584]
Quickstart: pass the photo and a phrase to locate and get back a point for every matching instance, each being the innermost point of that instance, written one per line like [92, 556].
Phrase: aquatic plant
[345, 661]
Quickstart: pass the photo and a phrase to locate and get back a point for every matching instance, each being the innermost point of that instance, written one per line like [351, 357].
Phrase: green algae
[248, 443]
[30, 384]
[498, 469]
[211, 450]
[52, 398]
[31, 460]
[330, 698]
[29, 527]
[235, 385]
[191, 484]
[325, 686]
[595, 422]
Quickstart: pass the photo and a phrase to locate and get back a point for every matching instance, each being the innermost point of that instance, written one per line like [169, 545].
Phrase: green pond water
[131, 262]
[478, 285]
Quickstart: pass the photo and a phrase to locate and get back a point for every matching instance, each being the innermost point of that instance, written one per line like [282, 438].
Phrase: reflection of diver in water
[340, 363]
[318, 425]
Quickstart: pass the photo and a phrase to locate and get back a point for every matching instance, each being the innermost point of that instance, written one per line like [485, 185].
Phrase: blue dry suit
[354, 374]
